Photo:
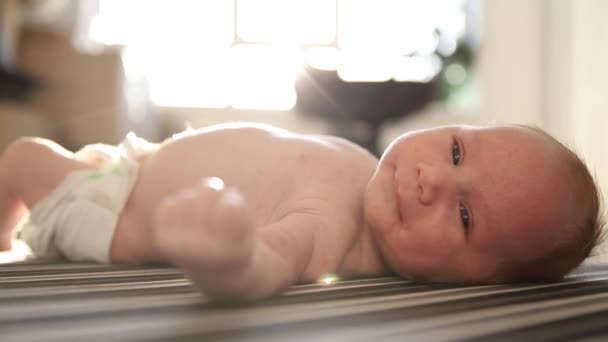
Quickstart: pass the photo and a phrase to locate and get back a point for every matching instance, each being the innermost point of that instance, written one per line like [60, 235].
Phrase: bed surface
[76, 302]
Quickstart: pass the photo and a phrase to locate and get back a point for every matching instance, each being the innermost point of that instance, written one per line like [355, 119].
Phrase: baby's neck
[364, 258]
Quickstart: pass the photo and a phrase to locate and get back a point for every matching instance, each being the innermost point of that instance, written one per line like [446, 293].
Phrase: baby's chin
[371, 208]
[379, 219]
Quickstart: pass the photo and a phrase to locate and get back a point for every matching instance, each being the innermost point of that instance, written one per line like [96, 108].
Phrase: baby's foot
[205, 229]
[13, 210]
[5, 240]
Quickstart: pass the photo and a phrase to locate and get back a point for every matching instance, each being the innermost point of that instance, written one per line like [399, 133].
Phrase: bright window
[247, 53]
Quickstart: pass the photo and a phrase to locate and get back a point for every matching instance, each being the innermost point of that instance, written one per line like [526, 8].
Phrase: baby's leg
[30, 168]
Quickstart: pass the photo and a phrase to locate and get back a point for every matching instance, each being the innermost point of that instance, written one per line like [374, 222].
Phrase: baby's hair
[588, 231]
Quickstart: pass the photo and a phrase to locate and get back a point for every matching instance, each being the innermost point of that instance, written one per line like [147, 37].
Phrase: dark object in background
[358, 109]
[15, 85]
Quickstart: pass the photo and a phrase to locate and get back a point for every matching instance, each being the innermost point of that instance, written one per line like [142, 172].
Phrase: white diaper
[78, 218]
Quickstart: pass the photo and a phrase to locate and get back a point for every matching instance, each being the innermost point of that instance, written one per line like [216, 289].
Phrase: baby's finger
[198, 204]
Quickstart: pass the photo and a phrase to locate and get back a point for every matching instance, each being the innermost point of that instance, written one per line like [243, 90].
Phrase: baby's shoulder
[344, 147]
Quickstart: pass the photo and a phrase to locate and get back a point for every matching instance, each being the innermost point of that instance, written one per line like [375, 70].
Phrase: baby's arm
[209, 233]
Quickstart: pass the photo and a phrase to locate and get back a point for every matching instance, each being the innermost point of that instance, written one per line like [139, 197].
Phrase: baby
[248, 210]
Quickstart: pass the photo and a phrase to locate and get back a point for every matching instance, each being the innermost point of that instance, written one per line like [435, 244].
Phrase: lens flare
[328, 279]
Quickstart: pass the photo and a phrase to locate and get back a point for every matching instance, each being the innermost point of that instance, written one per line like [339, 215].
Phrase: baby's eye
[464, 216]
[455, 153]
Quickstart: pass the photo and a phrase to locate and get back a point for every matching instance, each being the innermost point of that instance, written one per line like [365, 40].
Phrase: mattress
[53, 300]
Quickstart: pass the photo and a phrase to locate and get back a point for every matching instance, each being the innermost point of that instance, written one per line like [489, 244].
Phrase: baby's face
[454, 203]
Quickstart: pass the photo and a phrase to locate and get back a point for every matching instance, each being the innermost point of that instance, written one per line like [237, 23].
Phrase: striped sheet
[76, 302]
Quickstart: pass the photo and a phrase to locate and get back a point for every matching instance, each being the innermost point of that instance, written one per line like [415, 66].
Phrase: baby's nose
[430, 182]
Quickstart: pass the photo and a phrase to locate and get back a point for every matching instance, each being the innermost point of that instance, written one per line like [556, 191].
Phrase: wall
[17, 120]
[589, 77]
[511, 58]
[80, 93]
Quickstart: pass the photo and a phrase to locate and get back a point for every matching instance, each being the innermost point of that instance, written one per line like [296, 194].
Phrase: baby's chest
[329, 228]
[277, 201]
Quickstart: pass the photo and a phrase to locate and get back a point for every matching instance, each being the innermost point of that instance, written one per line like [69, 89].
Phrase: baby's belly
[133, 237]
[166, 173]
[152, 186]
[271, 172]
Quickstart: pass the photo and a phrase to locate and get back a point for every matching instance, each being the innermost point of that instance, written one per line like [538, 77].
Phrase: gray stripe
[62, 301]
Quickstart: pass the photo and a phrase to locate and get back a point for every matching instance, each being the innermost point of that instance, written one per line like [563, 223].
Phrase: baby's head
[482, 205]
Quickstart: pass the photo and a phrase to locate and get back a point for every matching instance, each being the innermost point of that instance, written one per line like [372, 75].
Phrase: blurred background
[87, 71]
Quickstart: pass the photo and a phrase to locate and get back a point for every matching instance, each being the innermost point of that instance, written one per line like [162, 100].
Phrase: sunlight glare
[328, 279]
[362, 66]
[416, 68]
[208, 23]
[262, 77]
[399, 26]
[186, 48]
[192, 80]
[323, 58]
[287, 21]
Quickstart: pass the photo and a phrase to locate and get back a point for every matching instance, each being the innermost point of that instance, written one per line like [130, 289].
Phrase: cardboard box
[81, 94]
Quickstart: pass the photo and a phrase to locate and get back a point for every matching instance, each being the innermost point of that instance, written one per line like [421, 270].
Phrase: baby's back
[275, 169]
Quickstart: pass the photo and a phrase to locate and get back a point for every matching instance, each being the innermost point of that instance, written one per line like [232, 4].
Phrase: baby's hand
[205, 228]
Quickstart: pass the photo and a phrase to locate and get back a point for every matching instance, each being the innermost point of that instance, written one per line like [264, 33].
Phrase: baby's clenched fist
[206, 227]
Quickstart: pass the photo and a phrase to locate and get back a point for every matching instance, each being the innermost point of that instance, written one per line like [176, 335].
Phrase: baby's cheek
[438, 241]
